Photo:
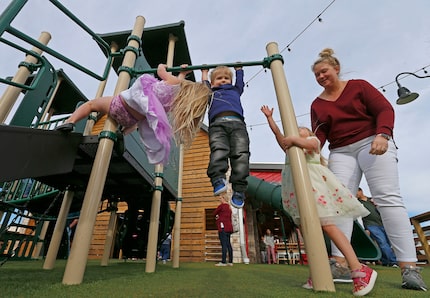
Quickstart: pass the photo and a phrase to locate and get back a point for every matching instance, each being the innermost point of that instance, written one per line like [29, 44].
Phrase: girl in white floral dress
[333, 200]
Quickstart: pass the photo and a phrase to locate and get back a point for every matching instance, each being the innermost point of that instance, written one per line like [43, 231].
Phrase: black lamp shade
[405, 96]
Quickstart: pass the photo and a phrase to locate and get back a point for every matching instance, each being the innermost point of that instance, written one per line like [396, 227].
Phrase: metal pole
[92, 119]
[57, 235]
[151, 255]
[11, 94]
[75, 267]
[206, 66]
[309, 219]
[178, 212]
[110, 235]
[245, 258]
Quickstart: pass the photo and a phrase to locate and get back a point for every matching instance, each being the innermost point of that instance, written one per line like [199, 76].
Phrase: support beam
[309, 219]
[75, 267]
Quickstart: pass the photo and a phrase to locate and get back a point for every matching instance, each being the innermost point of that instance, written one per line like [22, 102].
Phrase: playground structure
[96, 162]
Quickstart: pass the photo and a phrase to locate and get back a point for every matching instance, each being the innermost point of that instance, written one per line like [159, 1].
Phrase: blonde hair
[323, 160]
[221, 69]
[326, 55]
[187, 111]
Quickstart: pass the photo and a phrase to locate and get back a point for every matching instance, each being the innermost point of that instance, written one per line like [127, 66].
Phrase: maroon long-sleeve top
[223, 218]
[360, 111]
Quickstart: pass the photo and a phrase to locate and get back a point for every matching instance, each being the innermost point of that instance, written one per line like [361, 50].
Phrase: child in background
[228, 137]
[269, 240]
[333, 200]
[145, 106]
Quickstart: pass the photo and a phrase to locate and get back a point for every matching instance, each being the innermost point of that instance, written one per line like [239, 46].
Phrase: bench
[421, 223]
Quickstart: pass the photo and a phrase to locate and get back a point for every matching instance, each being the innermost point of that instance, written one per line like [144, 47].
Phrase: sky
[374, 40]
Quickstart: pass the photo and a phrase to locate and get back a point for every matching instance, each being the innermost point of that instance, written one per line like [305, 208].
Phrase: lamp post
[406, 96]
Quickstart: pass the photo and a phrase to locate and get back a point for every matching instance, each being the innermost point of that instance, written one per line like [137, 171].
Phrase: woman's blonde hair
[187, 111]
[326, 55]
[221, 69]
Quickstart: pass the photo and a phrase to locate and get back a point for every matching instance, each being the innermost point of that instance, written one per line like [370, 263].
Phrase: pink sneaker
[308, 285]
[364, 280]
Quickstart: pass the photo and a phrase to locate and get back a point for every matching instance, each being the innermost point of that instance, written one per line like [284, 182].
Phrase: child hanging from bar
[147, 106]
[333, 200]
[228, 137]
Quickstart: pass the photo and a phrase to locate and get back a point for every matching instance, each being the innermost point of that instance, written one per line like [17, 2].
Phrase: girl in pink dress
[147, 105]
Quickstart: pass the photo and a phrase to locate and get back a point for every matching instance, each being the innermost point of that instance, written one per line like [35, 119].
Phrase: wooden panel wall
[197, 195]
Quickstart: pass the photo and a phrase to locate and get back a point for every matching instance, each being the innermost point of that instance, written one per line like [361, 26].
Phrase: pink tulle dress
[152, 98]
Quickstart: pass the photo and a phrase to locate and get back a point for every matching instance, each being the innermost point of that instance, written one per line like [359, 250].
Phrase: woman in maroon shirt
[358, 121]
[225, 228]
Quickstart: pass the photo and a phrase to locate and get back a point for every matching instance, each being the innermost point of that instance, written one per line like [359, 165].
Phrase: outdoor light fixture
[406, 96]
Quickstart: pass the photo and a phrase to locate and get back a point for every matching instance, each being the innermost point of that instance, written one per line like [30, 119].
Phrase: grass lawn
[128, 279]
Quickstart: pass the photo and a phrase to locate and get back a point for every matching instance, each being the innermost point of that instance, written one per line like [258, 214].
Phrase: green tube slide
[270, 194]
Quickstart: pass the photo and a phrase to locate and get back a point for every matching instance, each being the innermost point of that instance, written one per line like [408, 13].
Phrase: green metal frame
[12, 11]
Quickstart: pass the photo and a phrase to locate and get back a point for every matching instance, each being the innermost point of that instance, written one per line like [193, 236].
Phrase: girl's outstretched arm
[168, 77]
[287, 142]
[273, 126]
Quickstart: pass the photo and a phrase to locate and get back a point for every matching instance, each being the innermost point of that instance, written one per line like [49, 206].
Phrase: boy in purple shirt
[228, 137]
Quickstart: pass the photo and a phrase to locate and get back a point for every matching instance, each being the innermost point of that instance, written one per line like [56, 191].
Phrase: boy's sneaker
[220, 264]
[308, 285]
[340, 274]
[220, 186]
[364, 280]
[238, 199]
[230, 264]
[411, 279]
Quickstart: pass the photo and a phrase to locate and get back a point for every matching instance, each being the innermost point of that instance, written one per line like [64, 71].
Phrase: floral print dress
[332, 198]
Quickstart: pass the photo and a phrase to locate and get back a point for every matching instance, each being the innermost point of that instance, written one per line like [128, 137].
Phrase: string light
[277, 121]
[393, 82]
[288, 46]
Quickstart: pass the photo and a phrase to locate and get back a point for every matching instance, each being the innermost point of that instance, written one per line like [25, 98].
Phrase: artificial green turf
[128, 279]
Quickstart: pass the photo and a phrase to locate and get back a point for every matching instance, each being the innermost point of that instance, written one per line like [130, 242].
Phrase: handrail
[265, 63]
[5, 26]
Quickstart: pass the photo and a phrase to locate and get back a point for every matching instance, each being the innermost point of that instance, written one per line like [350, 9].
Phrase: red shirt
[224, 216]
[360, 111]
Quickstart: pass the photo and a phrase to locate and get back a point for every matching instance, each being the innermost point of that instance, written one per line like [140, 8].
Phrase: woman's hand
[379, 145]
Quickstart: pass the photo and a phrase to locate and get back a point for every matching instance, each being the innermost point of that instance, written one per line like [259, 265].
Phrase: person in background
[373, 224]
[165, 248]
[263, 250]
[225, 228]
[358, 122]
[228, 137]
[269, 240]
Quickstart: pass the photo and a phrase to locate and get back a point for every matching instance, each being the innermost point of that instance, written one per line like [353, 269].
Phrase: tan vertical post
[112, 219]
[109, 237]
[151, 254]
[39, 245]
[75, 267]
[178, 212]
[11, 93]
[89, 125]
[47, 113]
[309, 220]
[57, 235]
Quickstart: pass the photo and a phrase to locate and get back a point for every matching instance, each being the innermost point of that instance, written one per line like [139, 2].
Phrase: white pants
[349, 163]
